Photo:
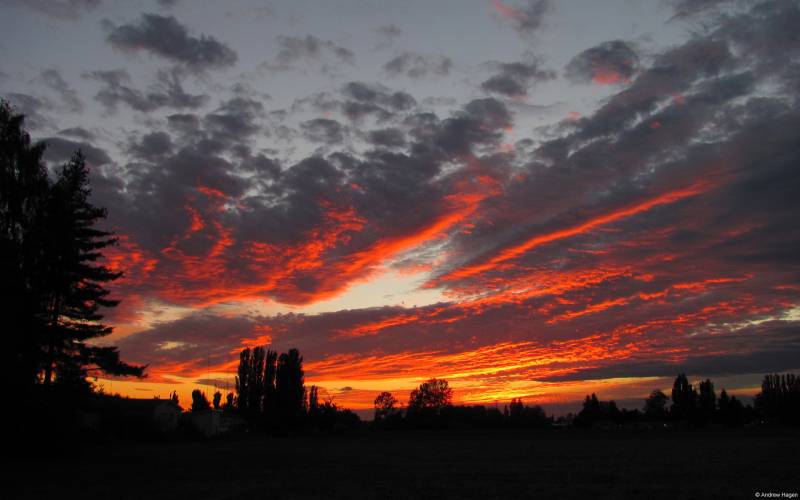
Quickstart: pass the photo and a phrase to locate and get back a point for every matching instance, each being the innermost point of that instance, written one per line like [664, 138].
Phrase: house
[129, 414]
[208, 422]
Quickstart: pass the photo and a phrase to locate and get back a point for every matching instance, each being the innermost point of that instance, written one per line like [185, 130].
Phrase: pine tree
[53, 286]
[74, 282]
[24, 188]
[290, 389]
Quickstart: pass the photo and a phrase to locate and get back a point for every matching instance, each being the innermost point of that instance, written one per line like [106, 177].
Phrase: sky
[529, 198]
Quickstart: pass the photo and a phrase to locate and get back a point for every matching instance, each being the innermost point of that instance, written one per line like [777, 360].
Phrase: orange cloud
[594, 223]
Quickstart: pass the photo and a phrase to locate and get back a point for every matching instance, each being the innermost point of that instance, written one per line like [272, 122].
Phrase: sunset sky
[528, 198]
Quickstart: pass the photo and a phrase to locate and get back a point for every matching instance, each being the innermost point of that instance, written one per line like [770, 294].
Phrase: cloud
[525, 19]
[52, 78]
[296, 49]
[608, 63]
[60, 150]
[387, 34]
[235, 120]
[687, 8]
[77, 132]
[387, 138]
[152, 146]
[323, 130]
[516, 78]
[165, 37]
[613, 247]
[32, 107]
[359, 100]
[166, 92]
[415, 65]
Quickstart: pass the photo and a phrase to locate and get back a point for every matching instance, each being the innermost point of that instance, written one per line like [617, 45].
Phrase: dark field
[476, 464]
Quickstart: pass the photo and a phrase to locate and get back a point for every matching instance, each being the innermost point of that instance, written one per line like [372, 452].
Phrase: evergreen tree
[243, 381]
[707, 401]
[74, 287]
[683, 398]
[53, 286]
[255, 396]
[24, 189]
[270, 370]
[290, 390]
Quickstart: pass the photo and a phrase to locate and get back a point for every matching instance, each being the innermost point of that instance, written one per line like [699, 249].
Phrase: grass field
[418, 464]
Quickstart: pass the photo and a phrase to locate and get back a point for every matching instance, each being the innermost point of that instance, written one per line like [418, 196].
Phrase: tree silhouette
[595, 411]
[730, 410]
[217, 400]
[229, 402]
[521, 416]
[779, 398]
[199, 401]
[53, 286]
[429, 398]
[313, 400]
[75, 292]
[270, 371]
[290, 391]
[243, 382]
[655, 406]
[706, 401]
[385, 406]
[683, 398]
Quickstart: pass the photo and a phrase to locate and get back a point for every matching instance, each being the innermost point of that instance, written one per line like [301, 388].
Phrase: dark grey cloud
[60, 150]
[152, 146]
[236, 120]
[296, 49]
[52, 79]
[165, 37]
[481, 123]
[184, 123]
[359, 100]
[203, 337]
[415, 65]
[614, 61]
[378, 95]
[59, 9]
[387, 138]
[166, 92]
[323, 130]
[34, 108]
[516, 78]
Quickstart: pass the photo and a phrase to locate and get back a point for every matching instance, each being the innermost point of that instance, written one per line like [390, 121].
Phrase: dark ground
[418, 464]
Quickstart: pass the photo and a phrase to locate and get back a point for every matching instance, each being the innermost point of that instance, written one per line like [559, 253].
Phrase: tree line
[270, 393]
[54, 282]
[700, 406]
[430, 405]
